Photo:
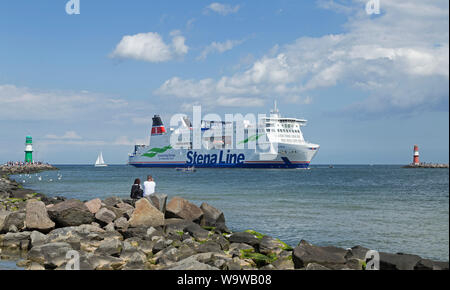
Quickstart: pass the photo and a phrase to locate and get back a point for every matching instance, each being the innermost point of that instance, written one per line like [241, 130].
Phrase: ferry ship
[281, 139]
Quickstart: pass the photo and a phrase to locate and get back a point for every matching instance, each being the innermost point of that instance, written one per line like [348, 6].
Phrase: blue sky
[371, 86]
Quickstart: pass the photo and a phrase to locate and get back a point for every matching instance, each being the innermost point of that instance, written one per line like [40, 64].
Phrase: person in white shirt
[149, 186]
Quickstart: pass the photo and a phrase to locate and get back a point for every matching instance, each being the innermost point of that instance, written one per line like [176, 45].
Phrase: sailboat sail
[100, 161]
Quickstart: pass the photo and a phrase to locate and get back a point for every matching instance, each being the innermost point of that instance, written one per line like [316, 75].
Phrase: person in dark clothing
[136, 190]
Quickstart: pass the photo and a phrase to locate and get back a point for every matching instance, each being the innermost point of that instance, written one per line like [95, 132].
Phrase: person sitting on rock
[149, 186]
[136, 190]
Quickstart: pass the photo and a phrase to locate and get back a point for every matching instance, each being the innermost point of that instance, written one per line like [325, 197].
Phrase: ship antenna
[275, 109]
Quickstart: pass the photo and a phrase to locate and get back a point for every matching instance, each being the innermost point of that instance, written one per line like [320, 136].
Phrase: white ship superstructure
[275, 142]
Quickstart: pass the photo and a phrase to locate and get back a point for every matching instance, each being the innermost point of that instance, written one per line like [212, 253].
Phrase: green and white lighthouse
[28, 149]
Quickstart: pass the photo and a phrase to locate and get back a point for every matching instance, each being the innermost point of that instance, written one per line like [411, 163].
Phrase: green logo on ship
[251, 139]
[155, 151]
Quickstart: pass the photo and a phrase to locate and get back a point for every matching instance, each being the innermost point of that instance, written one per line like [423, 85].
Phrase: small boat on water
[100, 162]
[186, 169]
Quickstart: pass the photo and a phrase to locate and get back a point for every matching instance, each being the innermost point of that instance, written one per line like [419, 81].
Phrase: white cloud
[125, 141]
[68, 135]
[25, 104]
[219, 47]
[399, 60]
[20, 103]
[223, 9]
[150, 47]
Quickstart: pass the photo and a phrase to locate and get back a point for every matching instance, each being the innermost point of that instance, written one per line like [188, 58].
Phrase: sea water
[384, 208]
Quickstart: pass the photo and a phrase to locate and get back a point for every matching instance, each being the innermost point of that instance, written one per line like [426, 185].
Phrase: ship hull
[288, 157]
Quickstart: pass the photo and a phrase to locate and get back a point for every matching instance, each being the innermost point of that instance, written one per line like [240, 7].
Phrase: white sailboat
[100, 162]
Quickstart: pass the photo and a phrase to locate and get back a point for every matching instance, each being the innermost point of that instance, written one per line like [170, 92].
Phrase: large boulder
[105, 216]
[77, 237]
[112, 201]
[109, 247]
[3, 216]
[398, 261]
[181, 208]
[196, 262]
[246, 238]
[159, 201]
[70, 213]
[37, 217]
[146, 215]
[426, 264]
[212, 217]
[16, 241]
[51, 255]
[13, 219]
[121, 224]
[306, 253]
[94, 205]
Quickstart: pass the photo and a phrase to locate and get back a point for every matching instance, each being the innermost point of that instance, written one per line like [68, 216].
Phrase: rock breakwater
[154, 234]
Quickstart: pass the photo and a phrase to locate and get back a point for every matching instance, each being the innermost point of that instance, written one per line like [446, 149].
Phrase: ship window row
[287, 131]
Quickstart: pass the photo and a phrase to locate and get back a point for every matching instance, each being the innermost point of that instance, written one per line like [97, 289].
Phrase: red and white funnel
[416, 155]
[157, 126]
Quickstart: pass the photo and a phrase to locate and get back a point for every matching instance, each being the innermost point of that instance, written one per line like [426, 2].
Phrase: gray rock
[36, 217]
[70, 213]
[209, 247]
[181, 208]
[140, 232]
[37, 238]
[99, 262]
[76, 235]
[398, 261]
[284, 263]
[112, 201]
[196, 262]
[236, 248]
[146, 215]
[3, 216]
[105, 216]
[159, 201]
[357, 252]
[13, 229]
[16, 241]
[426, 264]
[184, 251]
[246, 238]
[212, 217]
[306, 253]
[121, 224]
[109, 247]
[136, 261]
[125, 207]
[110, 227]
[219, 239]
[16, 219]
[197, 231]
[269, 245]
[50, 255]
[314, 266]
[94, 205]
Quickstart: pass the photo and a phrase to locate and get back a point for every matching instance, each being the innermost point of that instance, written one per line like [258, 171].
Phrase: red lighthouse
[416, 155]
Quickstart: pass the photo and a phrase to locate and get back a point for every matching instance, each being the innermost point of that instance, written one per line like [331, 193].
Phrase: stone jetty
[27, 168]
[153, 234]
[426, 165]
